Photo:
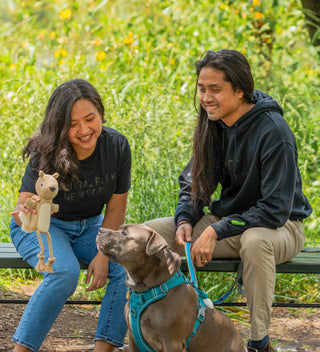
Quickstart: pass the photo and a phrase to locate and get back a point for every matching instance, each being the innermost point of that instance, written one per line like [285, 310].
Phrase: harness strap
[138, 301]
[201, 313]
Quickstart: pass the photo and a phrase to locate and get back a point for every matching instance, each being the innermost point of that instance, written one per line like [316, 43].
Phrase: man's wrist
[214, 233]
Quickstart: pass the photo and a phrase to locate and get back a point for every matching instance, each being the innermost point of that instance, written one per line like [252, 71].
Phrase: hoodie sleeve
[185, 209]
[278, 178]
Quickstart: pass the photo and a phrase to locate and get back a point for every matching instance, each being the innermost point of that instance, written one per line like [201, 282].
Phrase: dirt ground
[295, 330]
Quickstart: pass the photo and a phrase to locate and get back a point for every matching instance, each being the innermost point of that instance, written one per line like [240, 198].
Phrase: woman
[93, 163]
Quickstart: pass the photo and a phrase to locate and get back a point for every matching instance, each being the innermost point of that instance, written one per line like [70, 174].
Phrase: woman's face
[85, 128]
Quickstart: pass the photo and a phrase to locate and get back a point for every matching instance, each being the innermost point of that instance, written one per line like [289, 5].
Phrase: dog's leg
[170, 346]
[132, 344]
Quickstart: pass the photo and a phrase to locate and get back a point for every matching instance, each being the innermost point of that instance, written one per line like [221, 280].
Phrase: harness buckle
[163, 288]
[202, 313]
[133, 312]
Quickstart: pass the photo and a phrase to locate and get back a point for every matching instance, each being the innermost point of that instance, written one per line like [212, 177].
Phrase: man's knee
[166, 227]
[254, 244]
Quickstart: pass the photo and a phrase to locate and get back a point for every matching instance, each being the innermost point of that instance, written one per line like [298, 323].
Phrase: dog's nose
[103, 231]
[102, 235]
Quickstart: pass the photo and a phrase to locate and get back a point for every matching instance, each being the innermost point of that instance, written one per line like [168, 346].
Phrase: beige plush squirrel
[46, 188]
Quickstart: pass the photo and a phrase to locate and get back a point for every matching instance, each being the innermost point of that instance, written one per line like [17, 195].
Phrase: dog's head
[142, 252]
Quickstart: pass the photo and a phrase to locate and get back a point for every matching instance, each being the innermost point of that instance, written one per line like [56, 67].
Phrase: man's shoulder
[276, 120]
[274, 126]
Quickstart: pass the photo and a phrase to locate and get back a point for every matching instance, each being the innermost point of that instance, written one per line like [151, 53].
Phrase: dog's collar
[138, 301]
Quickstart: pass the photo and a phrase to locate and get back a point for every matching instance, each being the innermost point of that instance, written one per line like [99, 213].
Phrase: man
[243, 144]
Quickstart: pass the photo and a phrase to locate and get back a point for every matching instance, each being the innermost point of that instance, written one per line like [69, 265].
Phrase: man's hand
[183, 233]
[98, 270]
[203, 247]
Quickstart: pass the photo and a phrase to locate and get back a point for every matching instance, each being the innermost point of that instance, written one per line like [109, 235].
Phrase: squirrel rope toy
[46, 188]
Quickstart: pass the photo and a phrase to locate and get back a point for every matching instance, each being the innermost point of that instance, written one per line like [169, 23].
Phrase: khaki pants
[260, 250]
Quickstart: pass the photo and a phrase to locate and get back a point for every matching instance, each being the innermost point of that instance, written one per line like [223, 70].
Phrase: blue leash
[192, 271]
[193, 277]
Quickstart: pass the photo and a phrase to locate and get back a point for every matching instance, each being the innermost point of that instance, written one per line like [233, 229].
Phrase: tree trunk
[311, 9]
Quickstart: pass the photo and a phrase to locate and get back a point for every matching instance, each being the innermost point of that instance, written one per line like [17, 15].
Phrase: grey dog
[167, 323]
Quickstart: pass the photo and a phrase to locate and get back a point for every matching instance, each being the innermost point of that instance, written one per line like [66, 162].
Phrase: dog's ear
[172, 260]
[155, 243]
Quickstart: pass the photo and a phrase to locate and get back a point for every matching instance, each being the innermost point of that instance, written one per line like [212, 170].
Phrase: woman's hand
[183, 233]
[203, 247]
[23, 207]
[114, 217]
[98, 270]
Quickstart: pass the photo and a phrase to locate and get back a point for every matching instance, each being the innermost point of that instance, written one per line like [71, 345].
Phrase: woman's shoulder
[111, 139]
[111, 133]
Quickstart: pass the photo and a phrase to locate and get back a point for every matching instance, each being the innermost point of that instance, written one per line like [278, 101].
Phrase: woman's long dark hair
[49, 148]
[206, 158]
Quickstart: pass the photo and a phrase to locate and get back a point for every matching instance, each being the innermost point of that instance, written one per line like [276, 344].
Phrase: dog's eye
[123, 233]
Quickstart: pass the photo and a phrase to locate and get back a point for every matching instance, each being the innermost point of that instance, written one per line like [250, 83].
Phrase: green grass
[140, 56]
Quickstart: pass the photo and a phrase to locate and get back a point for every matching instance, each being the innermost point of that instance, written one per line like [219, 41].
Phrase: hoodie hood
[234, 139]
[262, 103]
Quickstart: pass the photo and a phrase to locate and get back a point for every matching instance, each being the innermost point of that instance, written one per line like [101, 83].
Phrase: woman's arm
[113, 219]
[115, 211]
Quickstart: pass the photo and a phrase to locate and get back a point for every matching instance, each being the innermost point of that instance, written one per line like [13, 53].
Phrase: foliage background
[140, 56]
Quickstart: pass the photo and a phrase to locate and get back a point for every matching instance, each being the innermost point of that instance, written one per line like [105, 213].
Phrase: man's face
[218, 98]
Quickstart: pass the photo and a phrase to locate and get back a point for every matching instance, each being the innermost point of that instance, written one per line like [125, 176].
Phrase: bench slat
[10, 258]
[306, 262]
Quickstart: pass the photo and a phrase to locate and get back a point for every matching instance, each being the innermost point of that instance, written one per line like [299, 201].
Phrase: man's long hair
[49, 149]
[206, 140]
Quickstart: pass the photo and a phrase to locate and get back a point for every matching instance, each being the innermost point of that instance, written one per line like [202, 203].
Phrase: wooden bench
[306, 262]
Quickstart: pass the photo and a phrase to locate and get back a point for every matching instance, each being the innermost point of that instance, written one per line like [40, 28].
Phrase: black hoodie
[260, 179]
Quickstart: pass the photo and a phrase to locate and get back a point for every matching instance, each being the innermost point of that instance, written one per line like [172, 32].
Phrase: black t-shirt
[105, 172]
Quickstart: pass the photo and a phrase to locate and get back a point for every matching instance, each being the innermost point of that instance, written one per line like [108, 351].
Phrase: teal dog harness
[138, 301]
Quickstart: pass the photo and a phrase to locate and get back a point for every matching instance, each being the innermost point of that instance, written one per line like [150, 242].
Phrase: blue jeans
[71, 241]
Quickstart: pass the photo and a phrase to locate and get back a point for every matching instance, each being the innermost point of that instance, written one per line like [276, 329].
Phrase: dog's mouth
[112, 257]
[106, 251]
